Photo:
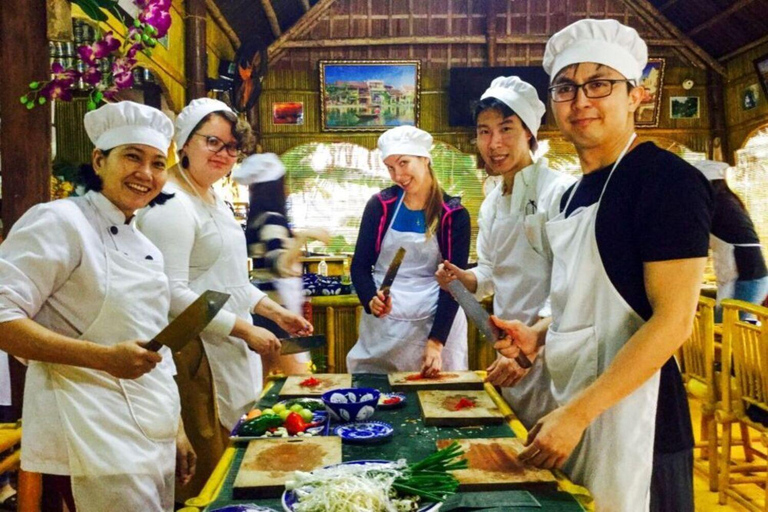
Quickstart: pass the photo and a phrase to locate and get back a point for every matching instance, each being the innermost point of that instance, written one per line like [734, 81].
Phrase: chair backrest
[745, 346]
[698, 352]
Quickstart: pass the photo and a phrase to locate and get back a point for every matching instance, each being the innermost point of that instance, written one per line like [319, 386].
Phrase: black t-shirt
[731, 223]
[656, 207]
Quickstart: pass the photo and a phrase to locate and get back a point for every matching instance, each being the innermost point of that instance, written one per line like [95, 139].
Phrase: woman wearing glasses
[204, 248]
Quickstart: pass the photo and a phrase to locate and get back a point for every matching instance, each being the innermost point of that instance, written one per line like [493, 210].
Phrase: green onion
[429, 478]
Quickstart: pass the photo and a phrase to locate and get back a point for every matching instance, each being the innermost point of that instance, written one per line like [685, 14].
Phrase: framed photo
[761, 66]
[684, 107]
[369, 95]
[647, 114]
[288, 113]
[749, 97]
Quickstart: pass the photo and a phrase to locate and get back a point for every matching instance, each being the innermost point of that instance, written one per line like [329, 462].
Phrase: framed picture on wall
[647, 114]
[684, 107]
[750, 96]
[761, 66]
[291, 112]
[369, 95]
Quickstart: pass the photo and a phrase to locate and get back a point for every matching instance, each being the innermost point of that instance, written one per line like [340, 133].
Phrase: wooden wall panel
[741, 74]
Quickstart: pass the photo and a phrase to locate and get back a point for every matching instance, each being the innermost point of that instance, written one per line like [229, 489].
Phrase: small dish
[364, 432]
[391, 400]
[243, 508]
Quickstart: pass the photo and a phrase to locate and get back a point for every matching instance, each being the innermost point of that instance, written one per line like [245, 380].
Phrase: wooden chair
[745, 351]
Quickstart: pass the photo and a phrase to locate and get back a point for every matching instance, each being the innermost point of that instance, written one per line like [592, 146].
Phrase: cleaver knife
[301, 344]
[480, 317]
[389, 277]
[190, 322]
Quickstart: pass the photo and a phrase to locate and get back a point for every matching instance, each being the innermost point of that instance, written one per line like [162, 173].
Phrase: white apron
[522, 265]
[591, 323]
[397, 341]
[236, 369]
[121, 434]
[724, 261]
[5, 380]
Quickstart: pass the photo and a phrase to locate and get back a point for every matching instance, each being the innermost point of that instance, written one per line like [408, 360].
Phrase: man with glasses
[629, 251]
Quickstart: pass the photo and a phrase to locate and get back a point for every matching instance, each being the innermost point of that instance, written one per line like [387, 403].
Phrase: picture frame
[288, 113]
[369, 95]
[750, 97]
[761, 66]
[684, 107]
[652, 80]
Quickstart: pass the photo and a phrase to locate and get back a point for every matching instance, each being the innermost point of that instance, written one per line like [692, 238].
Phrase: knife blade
[389, 277]
[301, 344]
[190, 322]
[480, 317]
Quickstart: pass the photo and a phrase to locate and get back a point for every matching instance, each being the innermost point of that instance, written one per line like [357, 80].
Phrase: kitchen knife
[301, 344]
[190, 322]
[389, 277]
[480, 317]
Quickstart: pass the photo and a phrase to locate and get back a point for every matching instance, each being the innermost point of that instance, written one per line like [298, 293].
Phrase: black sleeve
[446, 305]
[674, 211]
[365, 254]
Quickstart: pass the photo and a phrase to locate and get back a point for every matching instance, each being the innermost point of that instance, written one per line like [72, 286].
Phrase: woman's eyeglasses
[215, 144]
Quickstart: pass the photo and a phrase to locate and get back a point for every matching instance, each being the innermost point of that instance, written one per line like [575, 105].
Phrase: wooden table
[412, 441]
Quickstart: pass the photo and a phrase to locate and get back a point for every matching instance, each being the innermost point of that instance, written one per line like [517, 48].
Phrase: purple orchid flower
[121, 72]
[92, 76]
[157, 14]
[105, 46]
[86, 54]
[55, 90]
[64, 76]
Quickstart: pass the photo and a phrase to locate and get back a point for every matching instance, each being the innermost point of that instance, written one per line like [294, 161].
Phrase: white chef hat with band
[193, 113]
[126, 122]
[259, 168]
[712, 169]
[605, 42]
[405, 140]
[522, 98]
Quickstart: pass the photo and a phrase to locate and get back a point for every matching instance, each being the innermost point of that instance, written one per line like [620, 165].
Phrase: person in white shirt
[219, 375]
[81, 291]
[514, 261]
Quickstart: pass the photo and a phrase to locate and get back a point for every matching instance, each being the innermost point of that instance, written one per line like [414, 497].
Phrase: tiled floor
[706, 501]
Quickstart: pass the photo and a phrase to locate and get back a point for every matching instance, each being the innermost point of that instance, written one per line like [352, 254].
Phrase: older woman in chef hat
[81, 291]
[219, 375]
[416, 326]
[274, 247]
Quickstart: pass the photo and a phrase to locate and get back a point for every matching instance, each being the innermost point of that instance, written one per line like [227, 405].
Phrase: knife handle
[154, 346]
[385, 291]
[523, 361]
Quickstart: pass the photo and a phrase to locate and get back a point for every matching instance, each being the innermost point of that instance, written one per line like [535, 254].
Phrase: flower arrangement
[152, 23]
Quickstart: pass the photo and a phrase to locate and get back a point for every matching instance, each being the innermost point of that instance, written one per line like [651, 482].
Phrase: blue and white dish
[387, 396]
[364, 432]
[243, 508]
[290, 501]
[351, 404]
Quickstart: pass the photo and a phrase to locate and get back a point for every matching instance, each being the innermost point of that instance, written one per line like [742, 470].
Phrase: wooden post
[25, 136]
[716, 100]
[330, 338]
[490, 30]
[196, 57]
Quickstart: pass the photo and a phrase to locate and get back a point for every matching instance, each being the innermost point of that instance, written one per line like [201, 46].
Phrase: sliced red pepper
[311, 382]
[392, 400]
[464, 403]
[415, 376]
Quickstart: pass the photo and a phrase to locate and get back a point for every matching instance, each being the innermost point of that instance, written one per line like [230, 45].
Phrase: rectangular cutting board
[493, 466]
[293, 388]
[437, 409]
[446, 380]
[268, 463]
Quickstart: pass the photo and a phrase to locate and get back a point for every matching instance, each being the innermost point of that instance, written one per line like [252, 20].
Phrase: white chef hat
[522, 98]
[259, 168]
[193, 114]
[126, 122]
[405, 140]
[605, 42]
[712, 169]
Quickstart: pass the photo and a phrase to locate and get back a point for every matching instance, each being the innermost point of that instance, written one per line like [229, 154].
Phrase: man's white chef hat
[712, 169]
[605, 42]
[193, 114]
[126, 122]
[259, 168]
[522, 98]
[405, 140]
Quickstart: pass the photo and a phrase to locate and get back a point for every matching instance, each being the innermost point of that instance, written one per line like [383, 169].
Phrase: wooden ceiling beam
[720, 17]
[305, 24]
[743, 49]
[221, 21]
[654, 18]
[447, 40]
[667, 5]
[272, 17]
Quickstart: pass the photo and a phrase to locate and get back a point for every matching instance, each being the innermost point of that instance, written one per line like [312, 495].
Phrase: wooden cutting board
[399, 381]
[438, 408]
[328, 381]
[493, 466]
[268, 463]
